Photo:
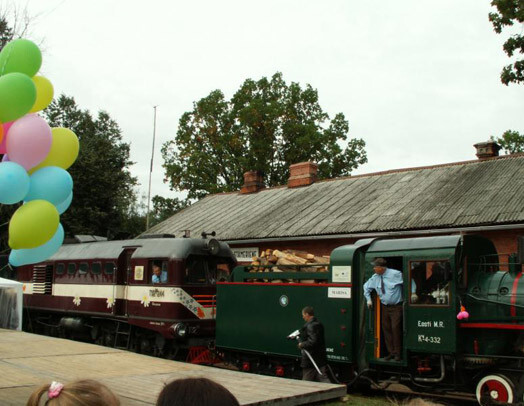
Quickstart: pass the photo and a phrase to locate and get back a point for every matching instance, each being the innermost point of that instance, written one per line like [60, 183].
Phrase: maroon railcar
[105, 292]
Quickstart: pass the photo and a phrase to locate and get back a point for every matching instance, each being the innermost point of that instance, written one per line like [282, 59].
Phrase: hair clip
[54, 389]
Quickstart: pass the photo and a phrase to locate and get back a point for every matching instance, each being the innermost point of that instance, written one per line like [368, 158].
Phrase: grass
[360, 400]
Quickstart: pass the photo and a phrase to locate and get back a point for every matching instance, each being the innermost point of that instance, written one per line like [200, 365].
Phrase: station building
[483, 196]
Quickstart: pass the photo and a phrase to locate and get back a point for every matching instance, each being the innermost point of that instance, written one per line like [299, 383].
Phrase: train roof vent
[145, 236]
[83, 238]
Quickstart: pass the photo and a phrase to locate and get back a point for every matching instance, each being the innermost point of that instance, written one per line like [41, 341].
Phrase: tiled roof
[463, 194]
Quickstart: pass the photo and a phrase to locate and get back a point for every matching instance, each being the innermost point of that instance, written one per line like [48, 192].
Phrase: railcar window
[196, 269]
[218, 272]
[71, 269]
[158, 271]
[96, 268]
[60, 269]
[109, 268]
[430, 283]
[83, 268]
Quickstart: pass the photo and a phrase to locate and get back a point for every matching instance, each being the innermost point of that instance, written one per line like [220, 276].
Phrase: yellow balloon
[33, 224]
[44, 93]
[64, 150]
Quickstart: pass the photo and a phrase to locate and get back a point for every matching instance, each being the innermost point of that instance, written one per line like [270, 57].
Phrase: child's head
[79, 393]
[195, 392]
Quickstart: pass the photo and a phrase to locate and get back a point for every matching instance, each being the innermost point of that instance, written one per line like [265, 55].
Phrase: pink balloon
[3, 144]
[29, 141]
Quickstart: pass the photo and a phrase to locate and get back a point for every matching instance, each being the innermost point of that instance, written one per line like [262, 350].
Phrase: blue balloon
[14, 183]
[50, 183]
[63, 206]
[38, 254]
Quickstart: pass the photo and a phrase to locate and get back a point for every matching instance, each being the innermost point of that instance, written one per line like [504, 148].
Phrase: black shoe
[388, 357]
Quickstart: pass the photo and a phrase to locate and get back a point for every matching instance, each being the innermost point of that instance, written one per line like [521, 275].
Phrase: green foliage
[508, 13]
[266, 126]
[164, 208]
[103, 197]
[511, 141]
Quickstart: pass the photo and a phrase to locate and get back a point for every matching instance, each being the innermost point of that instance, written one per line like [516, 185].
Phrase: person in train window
[159, 275]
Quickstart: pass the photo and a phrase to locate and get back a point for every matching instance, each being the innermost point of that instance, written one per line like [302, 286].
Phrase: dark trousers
[311, 374]
[392, 328]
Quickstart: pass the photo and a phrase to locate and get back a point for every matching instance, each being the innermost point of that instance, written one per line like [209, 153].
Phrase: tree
[15, 22]
[6, 32]
[104, 196]
[511, 141]
[164, 207]
[508, 13]
[266, 126]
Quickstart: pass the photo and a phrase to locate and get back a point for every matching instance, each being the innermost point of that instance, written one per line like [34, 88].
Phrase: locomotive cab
[428, 267]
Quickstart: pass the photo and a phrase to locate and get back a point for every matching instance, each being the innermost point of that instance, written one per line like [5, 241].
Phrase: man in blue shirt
[159, 276]
[387, 283]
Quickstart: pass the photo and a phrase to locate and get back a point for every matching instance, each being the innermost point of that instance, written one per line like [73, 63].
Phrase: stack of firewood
[289, 261]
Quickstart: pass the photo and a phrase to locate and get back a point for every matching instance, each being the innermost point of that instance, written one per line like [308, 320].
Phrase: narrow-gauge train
[444, 276]
[105, 290]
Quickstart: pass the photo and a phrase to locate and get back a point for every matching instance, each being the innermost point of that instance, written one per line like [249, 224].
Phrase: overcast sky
[418, 80]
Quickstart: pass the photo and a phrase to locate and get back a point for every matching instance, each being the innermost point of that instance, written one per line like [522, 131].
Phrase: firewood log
[272, 259]
[321, 260]
[290, 257]
[282, 262]
[302, 254]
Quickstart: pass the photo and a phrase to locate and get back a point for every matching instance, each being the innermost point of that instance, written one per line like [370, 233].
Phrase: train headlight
[180, 330]
[213, 246]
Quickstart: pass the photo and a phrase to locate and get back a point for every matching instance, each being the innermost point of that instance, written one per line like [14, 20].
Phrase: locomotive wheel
[495, 388]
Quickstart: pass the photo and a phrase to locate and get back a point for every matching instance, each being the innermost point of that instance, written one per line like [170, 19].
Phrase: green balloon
[20, 55]
[17, 96]
[33, 224]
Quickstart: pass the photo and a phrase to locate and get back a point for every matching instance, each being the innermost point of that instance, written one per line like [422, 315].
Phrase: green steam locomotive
[463, 317]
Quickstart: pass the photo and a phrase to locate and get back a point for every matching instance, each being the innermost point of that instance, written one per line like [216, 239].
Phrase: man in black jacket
[312, 340]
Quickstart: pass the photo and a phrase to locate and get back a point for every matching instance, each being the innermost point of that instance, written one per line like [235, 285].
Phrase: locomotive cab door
[380, 315]
[121, 282]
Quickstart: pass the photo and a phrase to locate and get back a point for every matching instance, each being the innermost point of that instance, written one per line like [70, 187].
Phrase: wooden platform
[29, 360]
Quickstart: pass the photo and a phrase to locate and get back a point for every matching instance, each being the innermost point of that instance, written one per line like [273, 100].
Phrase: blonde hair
[85, 392]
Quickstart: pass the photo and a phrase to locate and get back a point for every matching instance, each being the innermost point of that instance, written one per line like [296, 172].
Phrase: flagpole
[151, 168]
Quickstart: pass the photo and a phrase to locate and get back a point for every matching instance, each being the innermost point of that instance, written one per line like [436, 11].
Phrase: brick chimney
[488, 149]
[253, 182]
[302, 174]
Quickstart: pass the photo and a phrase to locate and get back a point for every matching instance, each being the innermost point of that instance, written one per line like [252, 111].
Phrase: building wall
[505, 241]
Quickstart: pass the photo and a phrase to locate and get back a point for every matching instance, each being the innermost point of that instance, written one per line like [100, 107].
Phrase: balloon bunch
[35, 157]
